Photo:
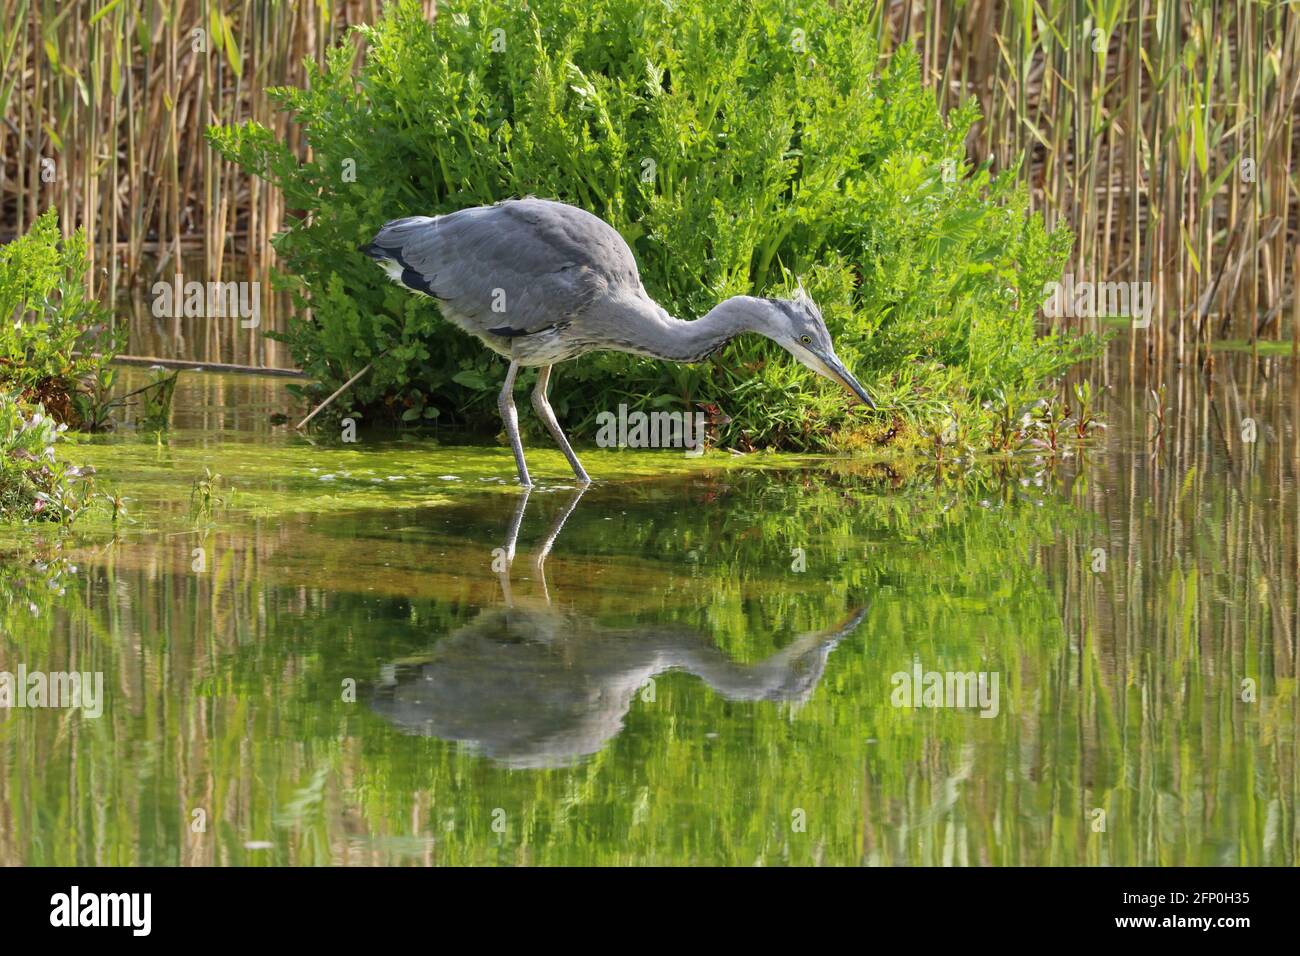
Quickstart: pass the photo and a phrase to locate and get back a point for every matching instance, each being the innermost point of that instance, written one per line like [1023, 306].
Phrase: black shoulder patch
[509, 332]
[413, 280]
[376, 251]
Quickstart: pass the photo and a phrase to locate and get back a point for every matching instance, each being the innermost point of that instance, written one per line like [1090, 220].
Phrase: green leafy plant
[55, 342]
[156, 400]
[735, 144]
[35, 484]
[1011, 420]
[205, 496]
[1083, 415]
[1050, 424]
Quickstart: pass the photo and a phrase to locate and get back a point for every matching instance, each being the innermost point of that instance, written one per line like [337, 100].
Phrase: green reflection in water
[667, 688]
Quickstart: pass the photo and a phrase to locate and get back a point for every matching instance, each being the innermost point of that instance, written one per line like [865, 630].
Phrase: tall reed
[1163, 132]
[104, 108]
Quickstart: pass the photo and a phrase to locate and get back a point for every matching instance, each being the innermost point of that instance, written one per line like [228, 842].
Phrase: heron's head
[798, 327]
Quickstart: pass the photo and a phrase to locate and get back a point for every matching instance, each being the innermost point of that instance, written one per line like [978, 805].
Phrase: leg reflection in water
[529, 685]
[539, 562]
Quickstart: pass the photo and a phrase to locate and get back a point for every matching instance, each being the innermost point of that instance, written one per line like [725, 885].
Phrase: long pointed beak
[839, 372]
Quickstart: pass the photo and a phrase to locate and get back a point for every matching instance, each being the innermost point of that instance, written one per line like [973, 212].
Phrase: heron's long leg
[506, 403]
[544, 412]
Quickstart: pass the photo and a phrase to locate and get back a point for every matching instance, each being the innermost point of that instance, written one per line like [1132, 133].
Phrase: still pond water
[702, 670]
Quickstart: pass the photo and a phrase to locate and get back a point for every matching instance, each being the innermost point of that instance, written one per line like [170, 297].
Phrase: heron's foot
[579, 472]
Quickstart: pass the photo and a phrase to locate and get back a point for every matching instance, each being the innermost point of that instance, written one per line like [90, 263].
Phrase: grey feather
[515, 268]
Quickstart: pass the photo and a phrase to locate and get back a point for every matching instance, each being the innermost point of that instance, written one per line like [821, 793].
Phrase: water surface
[324, 661]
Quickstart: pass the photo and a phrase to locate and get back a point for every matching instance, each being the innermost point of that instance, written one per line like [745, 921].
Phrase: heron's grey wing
[514, 268]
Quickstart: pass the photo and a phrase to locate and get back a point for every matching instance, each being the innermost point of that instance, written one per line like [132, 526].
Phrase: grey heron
[540, 282]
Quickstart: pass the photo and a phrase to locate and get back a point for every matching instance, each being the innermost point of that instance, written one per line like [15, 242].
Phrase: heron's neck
[680, 341]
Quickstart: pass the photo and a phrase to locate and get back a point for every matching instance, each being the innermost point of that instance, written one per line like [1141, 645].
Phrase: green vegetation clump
[55, 342]
[735, 144]
[34, 482]
[55, 349]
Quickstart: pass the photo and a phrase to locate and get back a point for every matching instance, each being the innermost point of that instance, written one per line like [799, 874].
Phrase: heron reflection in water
[529, 685]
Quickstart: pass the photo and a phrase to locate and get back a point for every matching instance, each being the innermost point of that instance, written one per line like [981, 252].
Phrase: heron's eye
[806, 339]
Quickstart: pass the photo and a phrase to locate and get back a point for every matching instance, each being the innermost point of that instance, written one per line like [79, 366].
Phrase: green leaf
[232, 48]
[103, 12]
[470, 378]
